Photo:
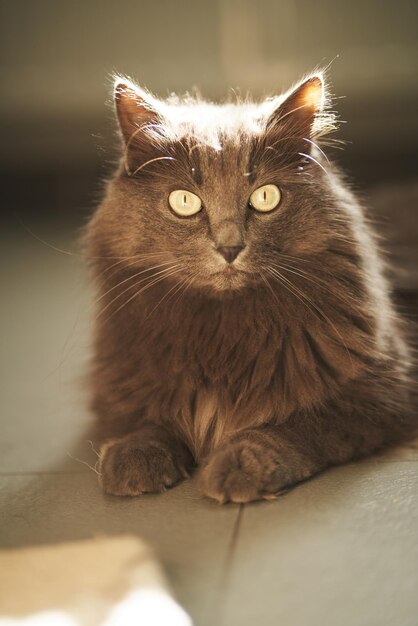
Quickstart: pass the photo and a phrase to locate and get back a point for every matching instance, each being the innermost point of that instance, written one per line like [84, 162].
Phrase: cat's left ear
[300, 108]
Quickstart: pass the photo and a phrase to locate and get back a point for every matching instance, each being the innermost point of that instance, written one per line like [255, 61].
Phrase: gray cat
[244, 324]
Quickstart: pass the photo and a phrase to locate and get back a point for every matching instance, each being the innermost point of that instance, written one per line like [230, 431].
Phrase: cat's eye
[265, 198]
[184, 203]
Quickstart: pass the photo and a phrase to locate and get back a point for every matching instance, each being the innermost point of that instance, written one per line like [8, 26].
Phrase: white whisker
[147, 286]
[135, 285]
[311, 158]
[162, 158]
[147, 269]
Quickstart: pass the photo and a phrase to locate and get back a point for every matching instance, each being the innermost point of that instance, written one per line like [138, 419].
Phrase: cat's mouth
[230, 277]
[230, 271]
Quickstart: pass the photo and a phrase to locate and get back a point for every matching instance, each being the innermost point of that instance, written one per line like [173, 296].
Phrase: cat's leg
[149, 459]
[261, 462]
[252, 465]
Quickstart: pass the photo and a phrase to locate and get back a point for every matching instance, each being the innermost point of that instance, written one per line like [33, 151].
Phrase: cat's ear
[141, 125]
[136, 109]
[301, 108]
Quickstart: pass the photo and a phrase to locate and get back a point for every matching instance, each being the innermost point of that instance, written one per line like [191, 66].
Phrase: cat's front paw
[249, 469]
[130, 467]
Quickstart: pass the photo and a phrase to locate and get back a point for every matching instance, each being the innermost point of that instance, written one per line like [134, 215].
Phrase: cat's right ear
[140, 123]
[135, 108]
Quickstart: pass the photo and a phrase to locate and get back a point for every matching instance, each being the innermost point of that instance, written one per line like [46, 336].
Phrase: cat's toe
[130, 469]
[242, 472]
[237, 487]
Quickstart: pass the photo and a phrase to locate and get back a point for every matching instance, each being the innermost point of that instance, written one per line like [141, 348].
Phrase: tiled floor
[340, 550]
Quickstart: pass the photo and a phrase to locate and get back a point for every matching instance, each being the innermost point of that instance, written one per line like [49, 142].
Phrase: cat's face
[221, 193]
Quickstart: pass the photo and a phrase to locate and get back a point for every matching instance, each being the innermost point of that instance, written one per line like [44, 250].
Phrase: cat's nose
[230, 253]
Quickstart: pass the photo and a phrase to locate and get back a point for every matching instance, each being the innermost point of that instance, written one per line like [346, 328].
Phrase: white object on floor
[98, 582]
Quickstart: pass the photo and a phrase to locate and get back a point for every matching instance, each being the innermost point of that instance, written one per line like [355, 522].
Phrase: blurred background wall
[57, 57]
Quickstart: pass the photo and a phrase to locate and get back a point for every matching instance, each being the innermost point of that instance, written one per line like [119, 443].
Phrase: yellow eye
[265, 198]
[184, 203]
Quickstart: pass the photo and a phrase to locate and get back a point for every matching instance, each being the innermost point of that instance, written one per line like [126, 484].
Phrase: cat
[244, 323]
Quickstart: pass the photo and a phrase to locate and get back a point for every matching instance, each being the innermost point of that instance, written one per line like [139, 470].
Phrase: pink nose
[230, 253]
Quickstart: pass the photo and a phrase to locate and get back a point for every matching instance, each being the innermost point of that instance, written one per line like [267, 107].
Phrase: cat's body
[260, 345]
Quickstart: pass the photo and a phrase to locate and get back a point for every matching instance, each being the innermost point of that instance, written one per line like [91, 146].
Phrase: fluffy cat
[244, 324]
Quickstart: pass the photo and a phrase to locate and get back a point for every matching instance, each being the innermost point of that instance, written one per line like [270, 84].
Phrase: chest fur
[235, 376]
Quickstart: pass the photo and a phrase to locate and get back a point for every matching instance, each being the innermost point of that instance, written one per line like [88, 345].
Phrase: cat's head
[217, 193]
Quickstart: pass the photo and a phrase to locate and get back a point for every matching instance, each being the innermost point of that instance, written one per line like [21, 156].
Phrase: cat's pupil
[184, 199]
[265, 195]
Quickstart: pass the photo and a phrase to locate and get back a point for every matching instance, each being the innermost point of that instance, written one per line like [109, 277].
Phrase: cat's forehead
[213, 124]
